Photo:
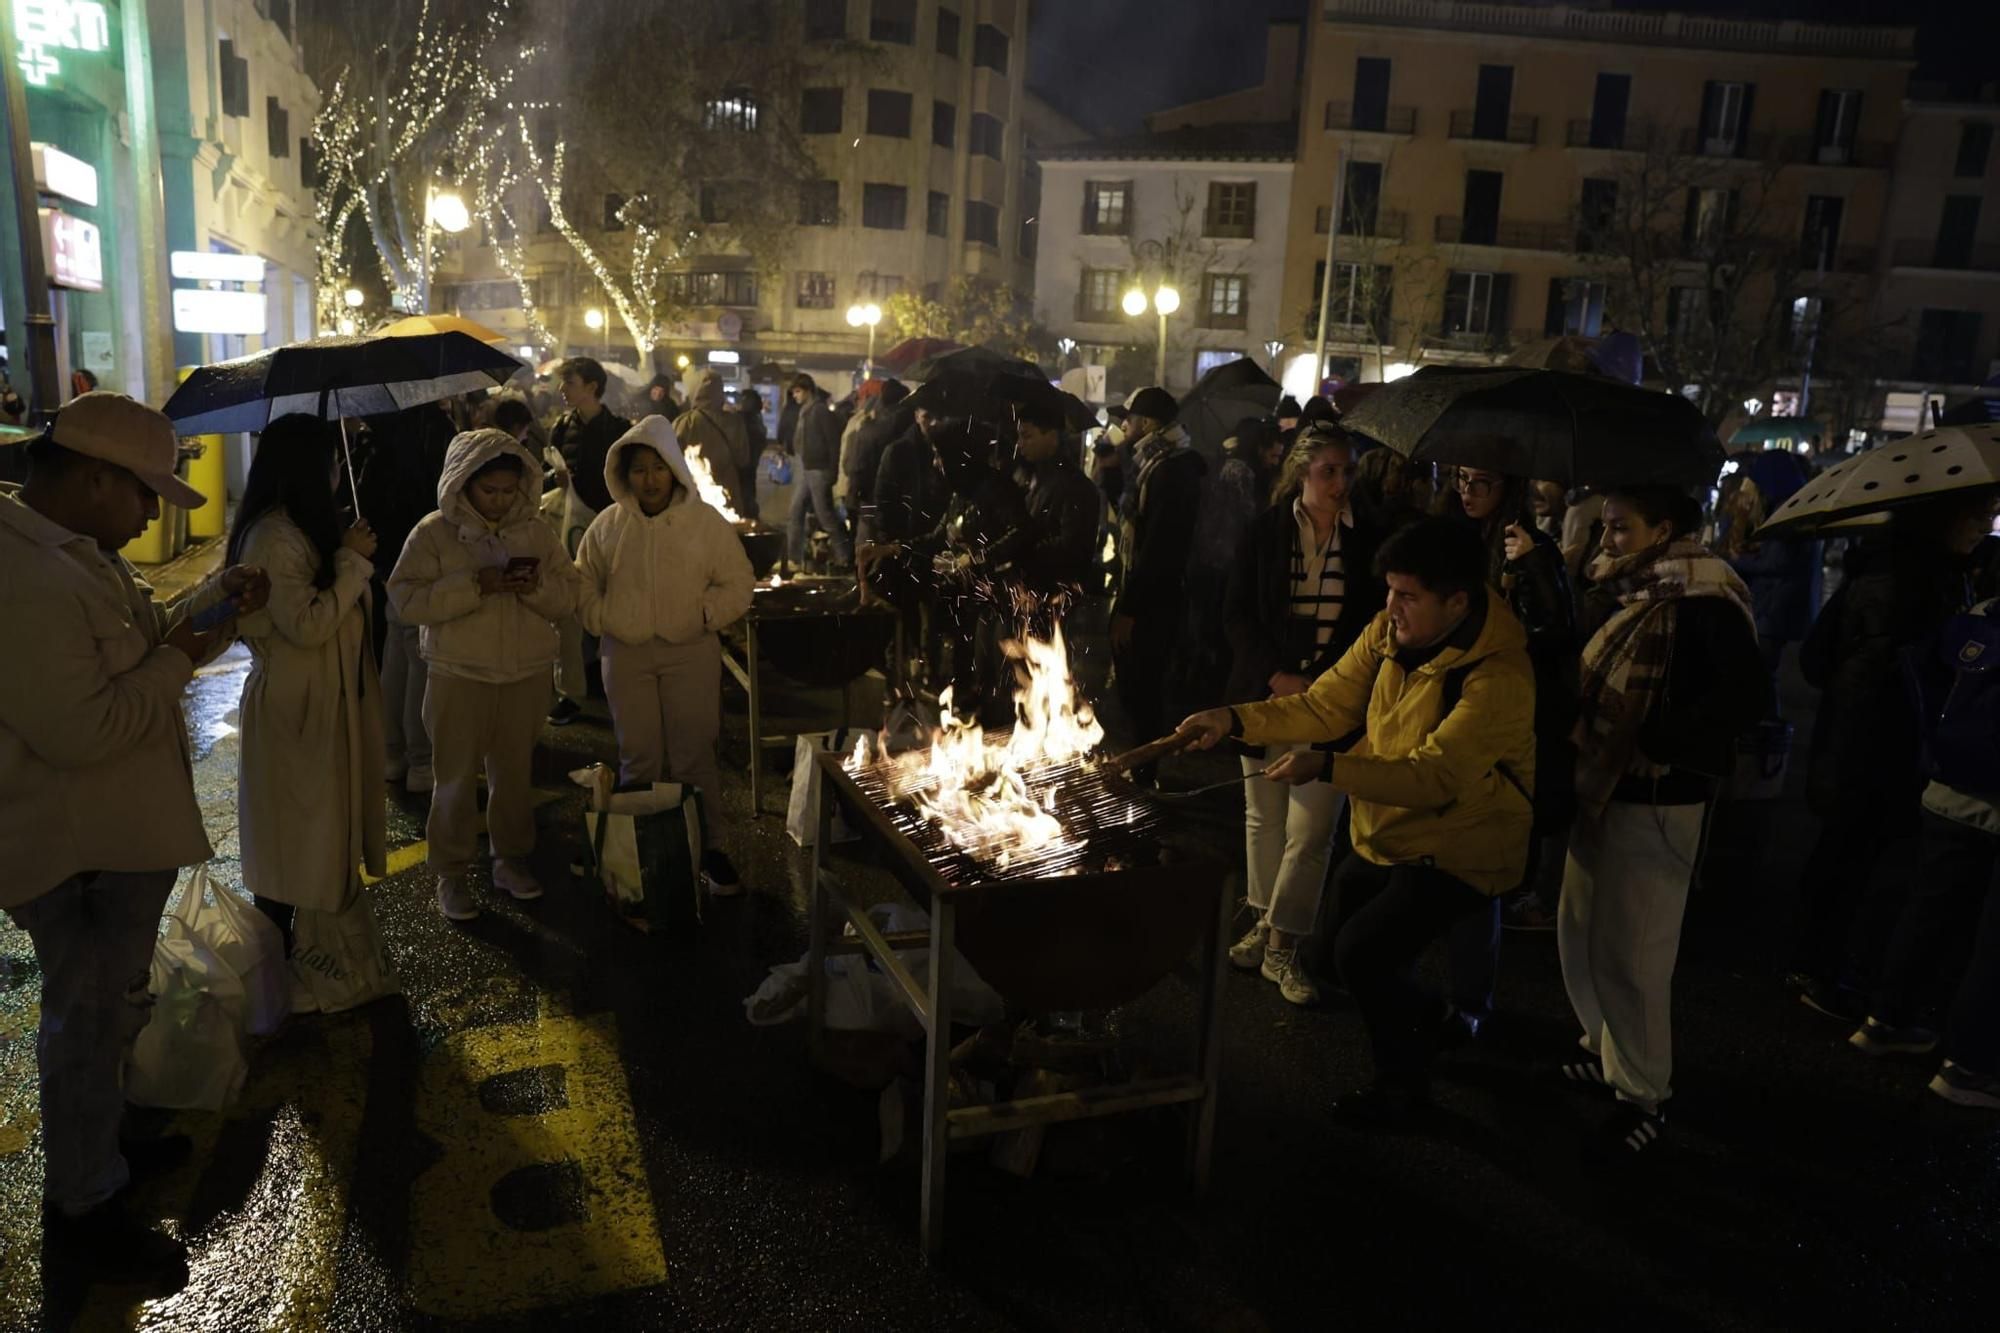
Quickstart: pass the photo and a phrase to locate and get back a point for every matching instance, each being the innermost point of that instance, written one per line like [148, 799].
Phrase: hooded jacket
[709, 425]
[676, 575]
[500, 638]
[816, 436]
[1433, 780]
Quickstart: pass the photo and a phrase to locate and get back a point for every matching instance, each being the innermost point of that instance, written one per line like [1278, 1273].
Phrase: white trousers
[1287, 841]
[1618, 929]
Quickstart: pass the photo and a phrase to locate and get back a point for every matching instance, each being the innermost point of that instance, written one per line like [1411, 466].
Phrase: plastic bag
[337, 959]
[644, 846]
[861, 998]
[776, 467]
[802, 809]
[248, 943]
[189, 1056]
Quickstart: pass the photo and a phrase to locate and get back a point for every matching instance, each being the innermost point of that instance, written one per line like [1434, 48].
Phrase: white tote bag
[337, 959]
[248, 943]
[189, 1056]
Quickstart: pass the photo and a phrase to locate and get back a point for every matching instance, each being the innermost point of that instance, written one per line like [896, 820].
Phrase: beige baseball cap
[122, 430]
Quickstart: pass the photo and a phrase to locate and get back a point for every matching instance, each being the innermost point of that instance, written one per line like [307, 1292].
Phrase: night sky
[1109, 62]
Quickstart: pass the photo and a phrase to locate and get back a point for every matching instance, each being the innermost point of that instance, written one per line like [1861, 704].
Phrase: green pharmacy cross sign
[42, 28]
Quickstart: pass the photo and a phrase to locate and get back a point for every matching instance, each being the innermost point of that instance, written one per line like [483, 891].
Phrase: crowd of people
[1459, 699]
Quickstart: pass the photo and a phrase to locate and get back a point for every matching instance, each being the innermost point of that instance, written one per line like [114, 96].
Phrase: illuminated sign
[56, 172]
[75, 258]
[218, 312]
[207, 266]
[44, 27]
[724, 358]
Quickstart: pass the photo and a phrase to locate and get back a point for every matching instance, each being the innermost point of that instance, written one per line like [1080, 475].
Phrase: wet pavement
[562, 1123]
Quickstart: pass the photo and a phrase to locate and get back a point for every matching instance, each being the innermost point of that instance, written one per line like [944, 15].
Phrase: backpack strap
[1454, 690]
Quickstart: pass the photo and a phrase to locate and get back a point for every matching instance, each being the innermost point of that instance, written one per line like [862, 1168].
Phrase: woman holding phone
[484, 580]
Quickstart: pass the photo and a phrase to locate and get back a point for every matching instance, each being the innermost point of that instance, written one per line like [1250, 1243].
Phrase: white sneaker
[418, 781]
[454, 900]
[1282, 966]
[1248, 952]
[516, 879]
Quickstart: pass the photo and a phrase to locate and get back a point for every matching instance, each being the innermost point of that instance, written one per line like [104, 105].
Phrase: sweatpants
[405, 675]
[1950, 931]
[1618, 930]
[1287, 842]
[572, 680]
[93, 937]
[477, 726]
[666, 706]
[1387, 916]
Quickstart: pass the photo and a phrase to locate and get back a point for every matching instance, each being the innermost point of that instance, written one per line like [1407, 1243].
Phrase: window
[1804, 322]
[614, 204]
[1821, 236]
[1945, 344]
[1725, 114]
[1107, 208]
[888, 113]
[731, 109]
[820, 111]
[1208, 358]
[819, 204]
[1956, 227]
[988, 135]
[1687, 312]
[713, 287]
[937, 214]
[944, 124]
[1596, 215]
[723, 201]
[1833, 133]
[893, 21]
[1099, 294]
[1361, 296]
[877, 286]
[1475, 304]
[1232, 210]
[1706, 223]
[989, 48]
[279, 127]
[1975, 142]
[885, 207]
[1493, 102]
[814, 291]
[826, 20]
[947, 37]
[1576, 305]
[1608, 107]
[1360, 199]
[1479, 217]
[982, 223]
[1225, 301]
[280, 13]
[234, 72]
[1371, 93]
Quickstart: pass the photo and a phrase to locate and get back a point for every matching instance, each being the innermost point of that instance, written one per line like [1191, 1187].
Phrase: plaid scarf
[1626, 663]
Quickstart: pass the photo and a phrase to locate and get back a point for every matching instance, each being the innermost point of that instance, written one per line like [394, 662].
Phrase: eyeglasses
[1471, 484]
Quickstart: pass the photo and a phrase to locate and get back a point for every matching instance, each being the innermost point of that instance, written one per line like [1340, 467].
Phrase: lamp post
[870, 315]
[1165, 301]
[444, 208]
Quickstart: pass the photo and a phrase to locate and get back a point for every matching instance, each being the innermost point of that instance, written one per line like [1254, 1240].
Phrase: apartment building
[1487, 152]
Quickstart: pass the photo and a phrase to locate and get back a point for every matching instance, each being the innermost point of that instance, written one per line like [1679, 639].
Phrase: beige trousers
[666, 704]
[478, 726]
[571, 682]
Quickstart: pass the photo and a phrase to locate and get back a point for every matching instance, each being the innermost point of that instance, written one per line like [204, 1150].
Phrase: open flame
[995, 798]
[706, 486]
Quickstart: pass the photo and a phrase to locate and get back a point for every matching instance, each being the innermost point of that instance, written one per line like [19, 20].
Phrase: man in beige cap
[97, 805]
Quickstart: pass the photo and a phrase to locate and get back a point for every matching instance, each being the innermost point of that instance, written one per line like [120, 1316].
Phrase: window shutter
[1729, 215]
[1378, 309]
[1552, 318]
[1497, 318]
[1743, 122]
[1690, 217]
[1710, 110]
[1444, 319]
[1250, 213]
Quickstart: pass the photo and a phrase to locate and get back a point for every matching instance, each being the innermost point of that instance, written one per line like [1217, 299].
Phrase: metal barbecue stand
[1040, 940]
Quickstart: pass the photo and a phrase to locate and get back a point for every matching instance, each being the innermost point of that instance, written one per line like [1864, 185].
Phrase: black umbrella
[1224, 396]
[974, 361]
[992, 398]
[1549, 425]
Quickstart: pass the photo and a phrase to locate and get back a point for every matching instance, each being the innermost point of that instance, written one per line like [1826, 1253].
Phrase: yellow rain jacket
[1447, 789]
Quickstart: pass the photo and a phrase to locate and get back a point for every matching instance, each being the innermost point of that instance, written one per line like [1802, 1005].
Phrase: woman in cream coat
[309, 796]
[661, 574]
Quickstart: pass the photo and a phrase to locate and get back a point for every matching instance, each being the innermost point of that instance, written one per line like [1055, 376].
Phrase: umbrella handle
[347, 455]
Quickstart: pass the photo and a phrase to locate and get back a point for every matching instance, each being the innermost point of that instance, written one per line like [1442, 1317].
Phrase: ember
[706, 486]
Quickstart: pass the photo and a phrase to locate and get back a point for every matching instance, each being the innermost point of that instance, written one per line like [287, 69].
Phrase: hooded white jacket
[675, 575]
[498, 639]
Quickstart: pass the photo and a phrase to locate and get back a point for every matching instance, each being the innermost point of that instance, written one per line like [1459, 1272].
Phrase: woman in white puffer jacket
[662, 573]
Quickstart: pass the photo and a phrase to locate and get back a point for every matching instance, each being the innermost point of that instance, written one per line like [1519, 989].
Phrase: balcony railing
[1387, 225]
[1518, 129]
[1841, 259]
[1596, 26]
[1451, 230]
[1693, 143]
[1929, 254]
[1492, 342]
[1632, 138]
[1372, 120]
[1343, 325]
[1872, 154]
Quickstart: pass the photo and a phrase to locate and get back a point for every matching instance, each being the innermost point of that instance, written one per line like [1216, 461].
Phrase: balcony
[1388, 225]
[1518, 129]
[1841, 259]
[1929, 254]
[1633, 138]
[1558, 236]
[1495, 342]
[1751, 147]
[1804, 150]
[1345, 325]
[1400, 120]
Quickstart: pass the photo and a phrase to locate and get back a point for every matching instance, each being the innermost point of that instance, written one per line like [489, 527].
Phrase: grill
[1090, 921]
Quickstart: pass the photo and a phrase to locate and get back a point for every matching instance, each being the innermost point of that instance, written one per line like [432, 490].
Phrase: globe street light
[869, 315]
[593, 319]
[346, 327]
[444, 207]
[1165, 300]
[683, 361]
[354, 298]
[1135, 303]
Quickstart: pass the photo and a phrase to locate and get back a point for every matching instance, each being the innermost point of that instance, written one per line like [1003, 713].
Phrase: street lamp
[593, 319]
[444, 208]
[354, 298]
[682, 361]
[1165, 301]
[870, 315]
[346, 327]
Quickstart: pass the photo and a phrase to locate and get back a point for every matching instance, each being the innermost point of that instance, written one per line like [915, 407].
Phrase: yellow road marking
[405, 858]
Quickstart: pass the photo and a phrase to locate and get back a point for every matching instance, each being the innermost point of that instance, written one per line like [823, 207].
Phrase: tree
[1182, 255]
[974, 311]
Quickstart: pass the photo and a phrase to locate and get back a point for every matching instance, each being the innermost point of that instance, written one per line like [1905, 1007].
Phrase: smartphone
[523, 566]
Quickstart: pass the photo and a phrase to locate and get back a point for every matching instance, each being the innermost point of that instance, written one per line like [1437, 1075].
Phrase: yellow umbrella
[413, 326]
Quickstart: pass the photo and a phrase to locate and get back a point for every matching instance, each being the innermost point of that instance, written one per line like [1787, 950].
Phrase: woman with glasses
[1302, 589]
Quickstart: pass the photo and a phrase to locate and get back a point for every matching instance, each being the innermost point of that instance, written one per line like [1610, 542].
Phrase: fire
[994, 798]
[706, 486]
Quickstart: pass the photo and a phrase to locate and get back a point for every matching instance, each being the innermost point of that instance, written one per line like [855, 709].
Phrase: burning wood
[706, 486]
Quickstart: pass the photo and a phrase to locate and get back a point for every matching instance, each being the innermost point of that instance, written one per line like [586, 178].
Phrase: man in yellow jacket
[1439, 784]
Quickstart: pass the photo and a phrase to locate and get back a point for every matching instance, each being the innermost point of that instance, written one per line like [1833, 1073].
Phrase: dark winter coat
[910, 490]
[864, 458]
[584, 446]
[1163, 519]
[1785, 583]
[1717, 689]
[1064, 507]
[816, 436]
[1264, 637]
[1538, 593]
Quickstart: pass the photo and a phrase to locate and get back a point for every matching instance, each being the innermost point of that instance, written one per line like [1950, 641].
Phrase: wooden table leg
[937, 1074]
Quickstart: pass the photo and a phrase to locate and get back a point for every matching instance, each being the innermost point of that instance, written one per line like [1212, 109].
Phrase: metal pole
[1326, 279]
[149, 207]
[1812, 339]
[424, 295]
[38, 342]
[869, 369]
[1160, 362]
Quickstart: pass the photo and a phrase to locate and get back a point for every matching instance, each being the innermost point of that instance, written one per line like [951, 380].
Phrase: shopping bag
[802, 810]
[337, 959]
[248, 943]
[644, 846]
[189, 1056]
